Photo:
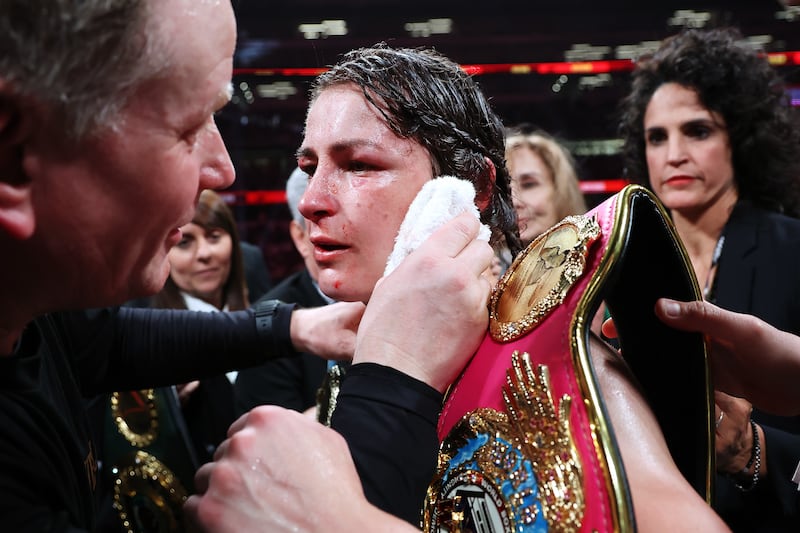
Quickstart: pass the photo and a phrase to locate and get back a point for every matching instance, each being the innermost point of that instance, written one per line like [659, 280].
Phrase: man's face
[363, 179]
[109, 211]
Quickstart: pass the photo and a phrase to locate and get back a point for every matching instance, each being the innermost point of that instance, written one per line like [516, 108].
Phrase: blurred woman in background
[180, 426]
[206, 266]
[207, 274]
[544, 186]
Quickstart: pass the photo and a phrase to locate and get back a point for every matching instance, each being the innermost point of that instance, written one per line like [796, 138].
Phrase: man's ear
[299, 239]
[483, 196]
[16, 205]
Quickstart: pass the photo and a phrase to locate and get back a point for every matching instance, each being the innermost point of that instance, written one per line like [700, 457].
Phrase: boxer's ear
[486, 183]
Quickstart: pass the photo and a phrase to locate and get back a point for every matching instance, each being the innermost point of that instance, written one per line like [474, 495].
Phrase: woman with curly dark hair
[708, 127]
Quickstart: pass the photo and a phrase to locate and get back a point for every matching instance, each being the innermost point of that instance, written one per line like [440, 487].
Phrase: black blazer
[256, 273]
[758, 274]
[288, 382]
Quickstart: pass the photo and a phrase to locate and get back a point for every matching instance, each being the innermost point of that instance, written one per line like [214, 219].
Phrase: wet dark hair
[213, 213]
[424, 96]
[732, 79]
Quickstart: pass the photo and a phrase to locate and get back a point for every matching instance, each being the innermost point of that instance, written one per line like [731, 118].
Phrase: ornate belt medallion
[147, 495]
[515, 471]
[136, 416]
[534, 287]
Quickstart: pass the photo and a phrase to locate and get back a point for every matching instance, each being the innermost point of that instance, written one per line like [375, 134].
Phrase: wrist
[298, 332]
[747, 478]
[371, 515]
[273, 323]
[387, 354]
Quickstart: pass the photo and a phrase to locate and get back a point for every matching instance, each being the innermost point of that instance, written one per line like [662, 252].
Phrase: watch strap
[273, 320]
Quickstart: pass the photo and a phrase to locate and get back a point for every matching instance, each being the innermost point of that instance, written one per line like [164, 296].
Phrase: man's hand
[749, 358]
[429, 315]
[280, 471]
[734, 434]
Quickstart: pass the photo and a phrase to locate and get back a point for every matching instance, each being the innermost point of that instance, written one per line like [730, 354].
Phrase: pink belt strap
[526, 444]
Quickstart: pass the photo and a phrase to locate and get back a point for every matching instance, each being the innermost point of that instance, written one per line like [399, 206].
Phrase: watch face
[540, 277]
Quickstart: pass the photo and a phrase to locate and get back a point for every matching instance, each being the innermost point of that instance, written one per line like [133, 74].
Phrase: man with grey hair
[107, 138]
[289, 382]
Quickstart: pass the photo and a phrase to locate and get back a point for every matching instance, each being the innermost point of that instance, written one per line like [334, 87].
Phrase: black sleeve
[127, 348]
[389, 422]
[783, 455]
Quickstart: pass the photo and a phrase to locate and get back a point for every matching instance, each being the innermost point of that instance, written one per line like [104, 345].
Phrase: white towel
[439, 201]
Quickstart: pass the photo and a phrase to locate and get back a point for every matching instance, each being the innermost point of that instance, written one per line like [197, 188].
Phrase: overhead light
[586, 52]
[324, 29]
[759, 42]
[592, 147]
[688, 18]
[635, 51]
[789, 13]
[593, 82]
[429, 27]
[279, 89]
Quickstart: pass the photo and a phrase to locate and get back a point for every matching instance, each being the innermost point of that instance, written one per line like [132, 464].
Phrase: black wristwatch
[273, 323]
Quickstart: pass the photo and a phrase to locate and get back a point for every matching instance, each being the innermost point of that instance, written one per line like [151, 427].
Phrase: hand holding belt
[526, 439]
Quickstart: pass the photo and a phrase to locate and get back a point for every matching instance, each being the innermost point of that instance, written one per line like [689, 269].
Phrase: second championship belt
[526, 440]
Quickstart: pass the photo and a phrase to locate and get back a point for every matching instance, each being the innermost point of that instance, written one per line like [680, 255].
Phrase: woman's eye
[359, 166]
[700, 132]
[655, 137]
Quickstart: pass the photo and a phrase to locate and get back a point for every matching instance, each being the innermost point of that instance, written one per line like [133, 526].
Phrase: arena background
[560, 65]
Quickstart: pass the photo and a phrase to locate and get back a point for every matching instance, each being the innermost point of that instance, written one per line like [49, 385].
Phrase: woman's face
[201, 262]
[363, 178]
[532, 192]
[688, 151]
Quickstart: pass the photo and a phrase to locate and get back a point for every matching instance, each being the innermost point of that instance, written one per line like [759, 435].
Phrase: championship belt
[151, 462]
[526, 442]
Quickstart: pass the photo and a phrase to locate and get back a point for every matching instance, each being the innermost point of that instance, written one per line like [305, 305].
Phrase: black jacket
[758, 275]
[290, 382]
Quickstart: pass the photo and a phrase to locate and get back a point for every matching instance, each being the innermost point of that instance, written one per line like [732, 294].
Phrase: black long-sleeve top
[47, 461]
[389, 422]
